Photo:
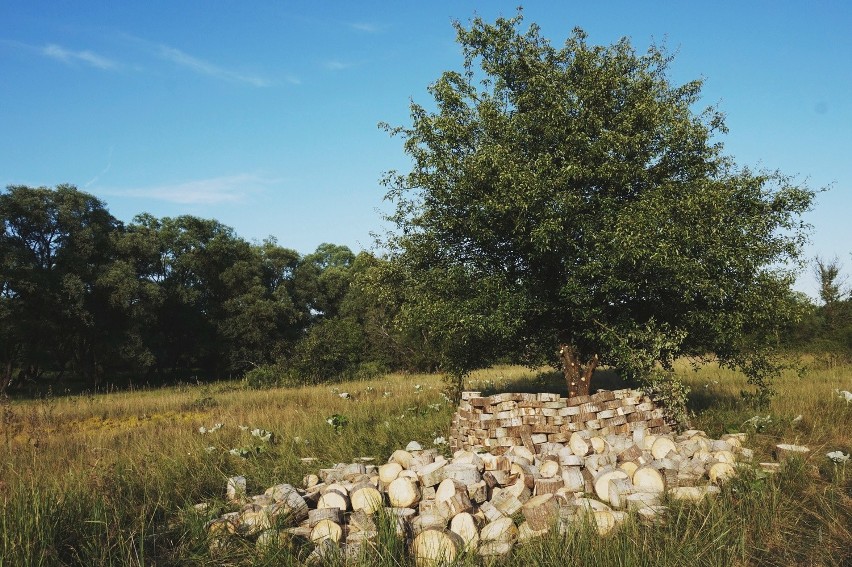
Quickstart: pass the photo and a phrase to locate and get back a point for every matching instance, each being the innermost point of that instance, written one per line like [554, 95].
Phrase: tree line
[85, 297]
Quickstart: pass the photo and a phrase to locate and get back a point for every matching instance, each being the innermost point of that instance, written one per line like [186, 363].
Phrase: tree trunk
[577, 376]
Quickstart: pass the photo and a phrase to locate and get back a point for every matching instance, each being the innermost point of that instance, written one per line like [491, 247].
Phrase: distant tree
[568, 206]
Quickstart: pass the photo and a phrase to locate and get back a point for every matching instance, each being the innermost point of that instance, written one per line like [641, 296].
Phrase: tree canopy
[570, 205]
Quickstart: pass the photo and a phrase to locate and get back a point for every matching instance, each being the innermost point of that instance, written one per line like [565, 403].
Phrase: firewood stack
[496, 423]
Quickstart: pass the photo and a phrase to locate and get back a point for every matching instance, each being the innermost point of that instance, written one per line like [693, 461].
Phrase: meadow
[111, 479]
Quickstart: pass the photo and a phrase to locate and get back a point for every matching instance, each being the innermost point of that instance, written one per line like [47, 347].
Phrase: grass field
[111, 479]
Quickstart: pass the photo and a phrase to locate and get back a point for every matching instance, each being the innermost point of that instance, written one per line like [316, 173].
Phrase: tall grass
[112, 479]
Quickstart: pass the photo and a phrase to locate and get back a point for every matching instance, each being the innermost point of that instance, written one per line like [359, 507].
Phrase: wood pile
[496, 423]
[483, 503]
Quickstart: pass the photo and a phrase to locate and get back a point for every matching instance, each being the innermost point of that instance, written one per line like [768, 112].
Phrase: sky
[263, 115]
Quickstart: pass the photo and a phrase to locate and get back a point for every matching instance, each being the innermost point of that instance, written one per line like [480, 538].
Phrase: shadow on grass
[702, 399]
[553, 382]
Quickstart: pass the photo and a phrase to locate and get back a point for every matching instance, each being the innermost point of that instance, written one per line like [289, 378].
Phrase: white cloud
[203, 67]
[213, 191]
[68, 56]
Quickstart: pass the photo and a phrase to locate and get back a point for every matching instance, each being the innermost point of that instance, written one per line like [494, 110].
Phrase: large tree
[569, 205]
[55, 244]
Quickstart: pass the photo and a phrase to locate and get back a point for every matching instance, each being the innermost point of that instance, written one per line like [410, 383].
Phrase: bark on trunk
[578, 376]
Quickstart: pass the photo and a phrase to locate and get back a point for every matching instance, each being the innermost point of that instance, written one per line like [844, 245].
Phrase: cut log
[362, 522]
[435, 547]
[320, 514]
[366, 499]
[455, 495]
[490, 512]
[465, 526]
[334, 499]
[326, 529]
[693, 493]
[578, 445]
[493, 549]
[426, 521]
[728, 456]
[662, 447]
[403, 458]
[629, 467]
[721, 472]
[548, 485]
[403, 493]
[431, 474]
[327, 552]
[599, 445]
[604, 521]
[526, 533]
[389, 472]
[499, 478]
[648, 479]
[629, 454]
[478, 492]
[639, 500]
[602, 482]
[549, 469]
[591, 505]
[271, 540]
[619, 490]
[465, 473]
[507, 503]
[572, 478]
[253, 521]
[469, 458]
[501, 530]
[541, 511]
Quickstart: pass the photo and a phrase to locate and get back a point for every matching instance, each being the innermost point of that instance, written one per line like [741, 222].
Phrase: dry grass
[110, 479]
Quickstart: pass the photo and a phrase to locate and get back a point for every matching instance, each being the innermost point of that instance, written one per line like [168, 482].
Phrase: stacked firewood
[496, 423]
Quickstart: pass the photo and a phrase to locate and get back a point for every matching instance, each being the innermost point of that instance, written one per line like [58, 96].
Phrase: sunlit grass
[111, 479]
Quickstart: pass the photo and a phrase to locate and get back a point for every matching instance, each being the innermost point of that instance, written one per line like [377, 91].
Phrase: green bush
[265, 376]
[332, 350]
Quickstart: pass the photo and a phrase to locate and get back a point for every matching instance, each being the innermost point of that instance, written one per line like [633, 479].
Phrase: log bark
[578, 376]
[541, 511]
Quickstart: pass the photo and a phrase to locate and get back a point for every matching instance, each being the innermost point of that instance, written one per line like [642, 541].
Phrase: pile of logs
[497, 422]
[483, 503]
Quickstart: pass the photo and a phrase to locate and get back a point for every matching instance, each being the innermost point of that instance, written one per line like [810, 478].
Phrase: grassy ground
[111, 479]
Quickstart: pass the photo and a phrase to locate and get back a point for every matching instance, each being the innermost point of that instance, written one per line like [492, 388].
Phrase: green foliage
[265, 376]
[573, 195]
[332, 350]
[667, 388]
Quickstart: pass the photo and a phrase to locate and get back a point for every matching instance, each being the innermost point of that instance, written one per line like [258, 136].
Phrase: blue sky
[264, 115]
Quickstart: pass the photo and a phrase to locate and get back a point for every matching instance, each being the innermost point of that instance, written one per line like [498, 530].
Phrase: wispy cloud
[203, 67]
[337, 65]
[213, 191]
[70, 56]
[103, 172]
[367, 27]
